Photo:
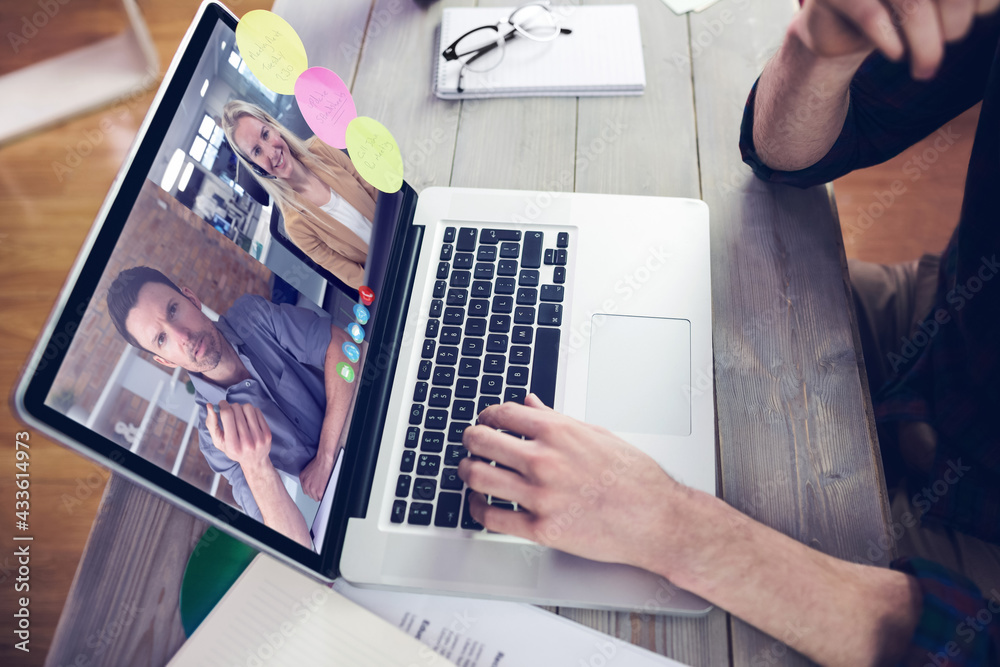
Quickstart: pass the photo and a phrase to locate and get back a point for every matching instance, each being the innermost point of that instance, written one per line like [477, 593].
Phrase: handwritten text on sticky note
[375, 154]
[272, 50]
[326, 104]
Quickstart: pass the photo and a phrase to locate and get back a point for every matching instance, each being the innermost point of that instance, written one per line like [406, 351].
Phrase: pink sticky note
[326, 104]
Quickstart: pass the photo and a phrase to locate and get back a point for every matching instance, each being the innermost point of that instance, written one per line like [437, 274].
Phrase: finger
[519, 418]
[532, 401]
[482, 477]
[987, 6]
[228, 427]
[265, 430]
[499, 519]
[956, 18]
[240, 422]
[252, 416]
[491, 444]
[921, 27]
[212, 423]
[875, 22]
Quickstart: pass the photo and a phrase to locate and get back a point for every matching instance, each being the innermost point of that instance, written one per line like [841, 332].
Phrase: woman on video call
[327, 207]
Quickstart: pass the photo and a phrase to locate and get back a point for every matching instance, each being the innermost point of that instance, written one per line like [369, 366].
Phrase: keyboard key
[494, 363]
[483, 272]
[550, 256]
[433, 441]
[463, 260]
[485, 402]
[424, 370]
[502, 504]
[439, 289]
[496, 343]
[446, 251]
[531, 258]
[494, 236]
[440, 397]
[436, 419]
[424, 489]
[457, 297]
[561, 257]
[517, 376]
[507, 267]
[522, 335]
[500, 323]
[406, 465]
[453, 454]
[486, 254]
[449, 508]
[562, 240]
[412, 436]
[416, 413]
[450, 480]
[428, 350]
[444, 376]
[454, 316]
[398, 511]
[520, 354]
[559, 274]
[476, 326]
[481, 289]
[491, 385]
[420, 392]
[455, 431]
[466, 239]
[505, 286]
[551, 293]
[510, 250]
[479, 307]
[503, 304]
[528, 278]
[447, 355]
[524, 315]
[472, 347]
[527, 296]
[469, 367]
[463, 411]
[403, 486]
[543, 371]
[468, 523]
[550, 314]
[444, 268]
[436, 306]
[432, 328]
[460, 279]
[515, 394]
[451, 336]
[420, 514]
[449, 234]
[428, 464]
[466, 388]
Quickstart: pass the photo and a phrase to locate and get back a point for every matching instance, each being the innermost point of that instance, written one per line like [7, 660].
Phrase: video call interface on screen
[213, 259]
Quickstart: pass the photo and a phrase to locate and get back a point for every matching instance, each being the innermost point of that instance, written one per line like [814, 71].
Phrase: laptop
[599, 304]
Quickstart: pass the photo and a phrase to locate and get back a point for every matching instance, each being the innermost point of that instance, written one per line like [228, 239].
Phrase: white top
[342, 211]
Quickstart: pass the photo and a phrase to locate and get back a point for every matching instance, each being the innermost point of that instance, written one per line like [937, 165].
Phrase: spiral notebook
[602, 56]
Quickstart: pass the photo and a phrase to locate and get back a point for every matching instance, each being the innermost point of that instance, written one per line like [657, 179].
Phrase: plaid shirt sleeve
[959, 626]
[888, 110]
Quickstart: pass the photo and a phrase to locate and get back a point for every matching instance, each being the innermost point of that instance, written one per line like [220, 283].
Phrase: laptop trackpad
[640, 375]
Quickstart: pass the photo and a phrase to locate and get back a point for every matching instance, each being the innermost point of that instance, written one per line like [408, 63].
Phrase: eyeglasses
[482, 49]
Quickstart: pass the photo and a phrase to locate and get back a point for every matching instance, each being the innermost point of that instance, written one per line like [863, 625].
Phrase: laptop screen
[225, 337]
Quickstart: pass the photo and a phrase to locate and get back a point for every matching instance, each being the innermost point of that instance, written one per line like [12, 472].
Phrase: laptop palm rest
[640, 375]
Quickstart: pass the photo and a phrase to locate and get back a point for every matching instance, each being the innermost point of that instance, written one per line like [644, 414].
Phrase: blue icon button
[356, 332]
[352, 352]
[361, 314]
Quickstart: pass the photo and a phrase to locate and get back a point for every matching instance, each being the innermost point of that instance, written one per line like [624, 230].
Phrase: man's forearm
[833, 611]
[801, 104]
[276, 506]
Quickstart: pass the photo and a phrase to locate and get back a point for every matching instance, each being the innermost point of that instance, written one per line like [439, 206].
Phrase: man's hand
[919, 28]
[315, 476]
[241, 433]
[585, 491]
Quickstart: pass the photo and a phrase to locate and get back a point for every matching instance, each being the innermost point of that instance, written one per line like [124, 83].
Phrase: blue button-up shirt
[284, 349]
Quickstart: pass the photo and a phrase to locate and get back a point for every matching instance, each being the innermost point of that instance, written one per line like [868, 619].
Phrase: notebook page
[603, 55]
[276, 616]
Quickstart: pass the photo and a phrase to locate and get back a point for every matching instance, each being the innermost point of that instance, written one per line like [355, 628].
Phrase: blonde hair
[282, 193]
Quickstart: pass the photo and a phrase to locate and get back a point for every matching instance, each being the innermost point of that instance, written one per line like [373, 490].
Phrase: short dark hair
[124, 292]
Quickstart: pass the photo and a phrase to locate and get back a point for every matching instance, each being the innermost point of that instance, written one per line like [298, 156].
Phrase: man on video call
[270, 370]
[874, 77]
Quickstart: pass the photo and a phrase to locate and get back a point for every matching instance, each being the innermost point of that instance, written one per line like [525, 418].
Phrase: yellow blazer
[329, 243]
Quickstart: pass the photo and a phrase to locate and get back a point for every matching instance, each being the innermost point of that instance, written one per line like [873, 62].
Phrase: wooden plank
[797, 450]
[122, 608]
[333, 33]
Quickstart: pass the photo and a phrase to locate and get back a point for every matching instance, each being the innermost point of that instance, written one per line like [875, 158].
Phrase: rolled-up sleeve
[959, 626]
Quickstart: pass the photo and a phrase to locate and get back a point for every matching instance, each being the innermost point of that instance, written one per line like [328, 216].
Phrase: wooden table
[796, 438]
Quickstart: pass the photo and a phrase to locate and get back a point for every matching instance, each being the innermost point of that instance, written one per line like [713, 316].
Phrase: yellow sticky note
[375, 154]
[271, 49]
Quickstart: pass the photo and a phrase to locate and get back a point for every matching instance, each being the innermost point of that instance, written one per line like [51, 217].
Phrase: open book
[602, 55]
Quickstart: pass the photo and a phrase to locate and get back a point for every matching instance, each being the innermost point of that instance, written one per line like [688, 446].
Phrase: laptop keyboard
[492, 335]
